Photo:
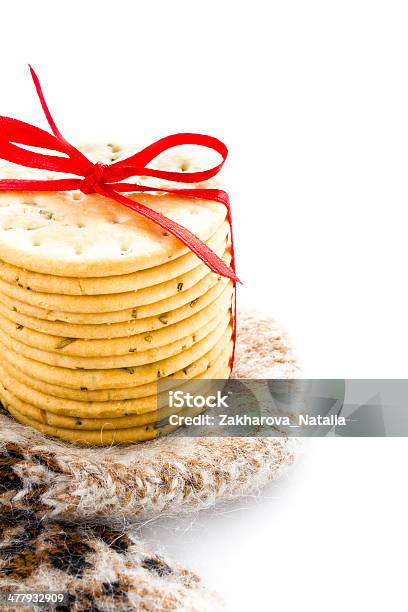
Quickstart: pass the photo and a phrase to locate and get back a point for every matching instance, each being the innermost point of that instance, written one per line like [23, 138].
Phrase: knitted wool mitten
[44, 480]
[97, 569]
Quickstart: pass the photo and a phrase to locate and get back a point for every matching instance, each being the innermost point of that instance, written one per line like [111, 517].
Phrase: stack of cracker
[97, 304]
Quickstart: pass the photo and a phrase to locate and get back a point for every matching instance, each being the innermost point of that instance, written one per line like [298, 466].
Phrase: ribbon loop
[141, 159]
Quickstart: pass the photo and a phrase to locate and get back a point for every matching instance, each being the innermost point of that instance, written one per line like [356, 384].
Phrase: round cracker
[96, 411]
[129, 360]
[105, 437]
[53, 233]
[106, 303]
[158, 309]
[121, 377]
[153, 416]
[198, 369]
[117, 346]
[49, 283]
[114, 330]
[70, 234]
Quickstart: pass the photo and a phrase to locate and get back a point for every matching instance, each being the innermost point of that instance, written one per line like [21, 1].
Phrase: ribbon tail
[226, 202]
[71, 150]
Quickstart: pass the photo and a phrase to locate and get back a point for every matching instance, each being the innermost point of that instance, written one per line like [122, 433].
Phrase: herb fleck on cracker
[46, 213]
[179, 286]
[65, 342]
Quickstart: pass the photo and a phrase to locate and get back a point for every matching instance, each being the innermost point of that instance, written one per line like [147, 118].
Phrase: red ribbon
[107, 179]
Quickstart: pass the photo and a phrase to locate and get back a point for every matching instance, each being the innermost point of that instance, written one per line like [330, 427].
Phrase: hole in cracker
[77, 195]
[125, 249]
[124, 218]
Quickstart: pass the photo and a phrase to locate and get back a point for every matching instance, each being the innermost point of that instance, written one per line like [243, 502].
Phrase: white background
[312, 100]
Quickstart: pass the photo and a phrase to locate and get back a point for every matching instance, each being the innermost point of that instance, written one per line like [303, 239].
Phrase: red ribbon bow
[107, 179]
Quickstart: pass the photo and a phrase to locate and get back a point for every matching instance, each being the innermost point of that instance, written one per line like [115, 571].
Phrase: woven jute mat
[47, 488]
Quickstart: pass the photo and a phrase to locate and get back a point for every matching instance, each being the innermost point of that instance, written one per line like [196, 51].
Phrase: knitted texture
[121, 485]
[99, 569]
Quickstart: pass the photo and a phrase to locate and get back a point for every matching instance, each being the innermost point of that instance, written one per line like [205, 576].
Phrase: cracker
[118, 377]
[104, 437]
[116, 410]
[49, 283]
[153, 416]
[106, 303]
[118, 346]
[72, 234]
[149, 310]
[115, 330]
[198, 369]
[130, 360]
